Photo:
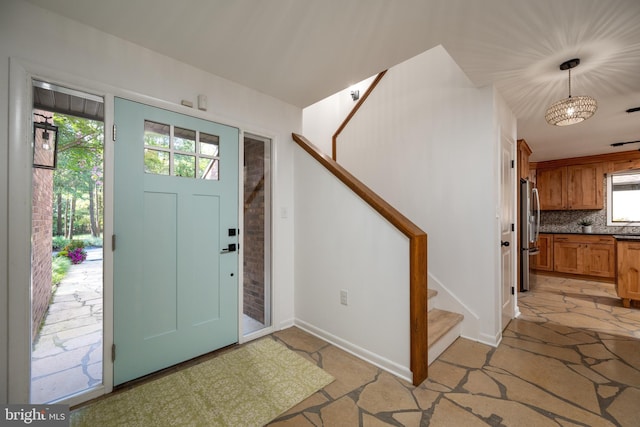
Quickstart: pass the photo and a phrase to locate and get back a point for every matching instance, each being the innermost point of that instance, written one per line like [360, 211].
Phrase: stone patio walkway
[67, 354]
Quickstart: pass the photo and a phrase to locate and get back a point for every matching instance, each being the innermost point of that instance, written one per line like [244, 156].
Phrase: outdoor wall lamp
[45, 144]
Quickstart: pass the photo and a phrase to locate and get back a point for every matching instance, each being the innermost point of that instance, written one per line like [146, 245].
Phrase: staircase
[443, 327]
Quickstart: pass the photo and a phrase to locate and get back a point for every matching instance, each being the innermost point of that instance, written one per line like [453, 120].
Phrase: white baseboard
[286, 324]
[516, 313]
[364, 354]
[492, 340]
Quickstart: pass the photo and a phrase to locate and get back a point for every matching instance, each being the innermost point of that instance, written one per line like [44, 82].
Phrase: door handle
[504, 243]
[231, 247]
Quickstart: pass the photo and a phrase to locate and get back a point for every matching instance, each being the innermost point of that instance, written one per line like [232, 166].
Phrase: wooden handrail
[417, 256]
[334, 139]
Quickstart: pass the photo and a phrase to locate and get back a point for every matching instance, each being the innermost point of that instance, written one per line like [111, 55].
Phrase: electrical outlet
[344, 297]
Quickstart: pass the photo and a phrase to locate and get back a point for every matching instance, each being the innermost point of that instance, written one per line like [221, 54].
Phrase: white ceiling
[301, 51]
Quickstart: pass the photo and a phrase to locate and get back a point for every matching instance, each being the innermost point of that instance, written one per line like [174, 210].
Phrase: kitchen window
[623, 198]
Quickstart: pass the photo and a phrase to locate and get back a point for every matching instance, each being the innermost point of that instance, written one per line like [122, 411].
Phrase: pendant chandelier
[573, 109]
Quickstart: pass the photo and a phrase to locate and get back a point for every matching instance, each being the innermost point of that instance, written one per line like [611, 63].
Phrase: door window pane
[184, 165]
[208, 144]
[184, 140]
[208, 168]
[156, 162]
[156, 134]
[176, 151]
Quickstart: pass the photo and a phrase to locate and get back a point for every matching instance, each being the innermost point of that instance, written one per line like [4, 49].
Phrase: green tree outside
[78, 178]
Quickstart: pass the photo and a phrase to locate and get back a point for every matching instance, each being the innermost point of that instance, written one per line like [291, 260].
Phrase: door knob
[505, 243]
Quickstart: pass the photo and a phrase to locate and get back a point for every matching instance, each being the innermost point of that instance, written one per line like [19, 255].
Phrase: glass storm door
[175, 222]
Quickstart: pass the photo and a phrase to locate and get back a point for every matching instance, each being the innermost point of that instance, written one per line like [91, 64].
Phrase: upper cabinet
[523, 159]
[585, 186]
[552, 188]
[578, 182]
[571, 187]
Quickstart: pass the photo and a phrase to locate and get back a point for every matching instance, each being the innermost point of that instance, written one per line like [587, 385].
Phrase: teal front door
[175, 225]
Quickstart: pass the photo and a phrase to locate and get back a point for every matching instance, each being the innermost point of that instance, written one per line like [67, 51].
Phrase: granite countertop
[617, 236]
[576, 232]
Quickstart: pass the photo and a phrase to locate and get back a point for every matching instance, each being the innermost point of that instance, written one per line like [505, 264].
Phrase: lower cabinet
[568, 257]
[628, 283]
[543, 260]
[585, 255]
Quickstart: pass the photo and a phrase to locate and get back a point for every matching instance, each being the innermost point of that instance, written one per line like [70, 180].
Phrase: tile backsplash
[567, 221]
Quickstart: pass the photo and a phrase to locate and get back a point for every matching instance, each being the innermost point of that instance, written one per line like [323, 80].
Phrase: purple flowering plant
[77, 255]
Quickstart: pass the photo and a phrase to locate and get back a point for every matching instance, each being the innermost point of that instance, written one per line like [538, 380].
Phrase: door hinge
[512, 163]
[113, 352]
[114, 132]
[513, 227]
[113, 242]
[513, 290]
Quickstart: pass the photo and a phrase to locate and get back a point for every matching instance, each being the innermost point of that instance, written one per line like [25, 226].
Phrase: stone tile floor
[571, 359]
[66, 357]
[581, 304]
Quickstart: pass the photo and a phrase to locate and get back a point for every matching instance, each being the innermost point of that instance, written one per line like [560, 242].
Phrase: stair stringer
[445, 300]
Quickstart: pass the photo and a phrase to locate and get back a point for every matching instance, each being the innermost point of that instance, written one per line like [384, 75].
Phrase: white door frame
[21, 75]
[268, 221]
[19, 266]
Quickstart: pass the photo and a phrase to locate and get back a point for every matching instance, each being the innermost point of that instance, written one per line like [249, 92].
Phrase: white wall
[342, 243]
[426, 141]
[333, 110]
[71, 53]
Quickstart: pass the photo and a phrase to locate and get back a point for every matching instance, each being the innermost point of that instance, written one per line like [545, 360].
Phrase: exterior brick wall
[253, 232]
[41, 243]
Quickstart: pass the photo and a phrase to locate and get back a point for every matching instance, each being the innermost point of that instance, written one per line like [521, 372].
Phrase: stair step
[443, 329]
[430, 299]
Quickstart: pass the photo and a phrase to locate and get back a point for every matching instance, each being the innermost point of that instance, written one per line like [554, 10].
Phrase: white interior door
[507, 234]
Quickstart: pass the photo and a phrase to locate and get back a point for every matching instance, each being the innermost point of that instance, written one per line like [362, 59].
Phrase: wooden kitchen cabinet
[523, 159]
[568, 257]
[585, 255]
[585, 186]
[628, 263]
[552, 188]
[571, 187]
[601, 259]
[544, 259]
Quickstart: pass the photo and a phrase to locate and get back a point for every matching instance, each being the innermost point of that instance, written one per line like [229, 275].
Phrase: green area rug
[248, 386]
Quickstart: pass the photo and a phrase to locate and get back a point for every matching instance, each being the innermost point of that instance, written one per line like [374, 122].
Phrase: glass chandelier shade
[573, 109]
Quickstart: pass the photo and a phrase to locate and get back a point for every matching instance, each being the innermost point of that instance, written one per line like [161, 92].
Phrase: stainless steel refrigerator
[529, 229]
